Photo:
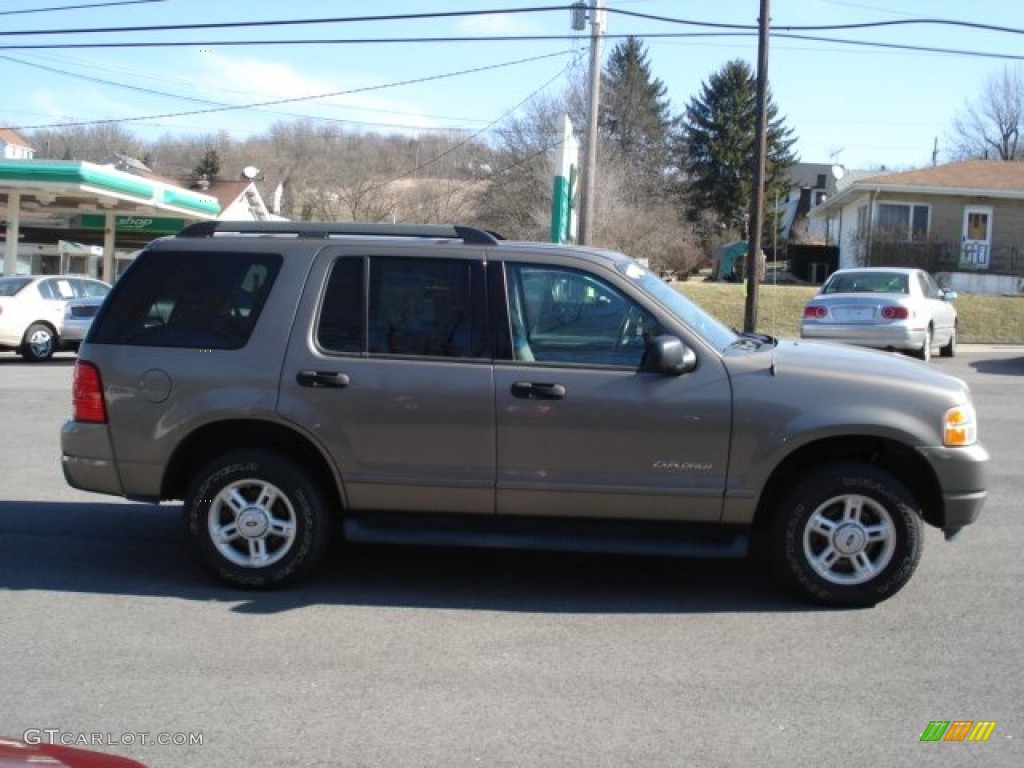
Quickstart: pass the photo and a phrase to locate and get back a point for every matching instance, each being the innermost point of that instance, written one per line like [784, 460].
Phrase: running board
[553, 535]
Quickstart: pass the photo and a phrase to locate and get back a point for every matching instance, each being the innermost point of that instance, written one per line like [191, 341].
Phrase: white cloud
[252, 80]
[500, 24]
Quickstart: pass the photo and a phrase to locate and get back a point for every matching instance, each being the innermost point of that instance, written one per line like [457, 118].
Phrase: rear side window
[405, 306]
[192, 300]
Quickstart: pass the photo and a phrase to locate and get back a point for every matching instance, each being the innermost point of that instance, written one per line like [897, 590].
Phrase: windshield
[11, 285]
[706, 326]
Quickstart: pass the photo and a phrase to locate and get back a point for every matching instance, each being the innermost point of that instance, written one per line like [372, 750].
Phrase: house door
[977, 236]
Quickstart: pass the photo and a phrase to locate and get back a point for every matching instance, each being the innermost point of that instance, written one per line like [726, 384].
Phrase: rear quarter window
[193, 300]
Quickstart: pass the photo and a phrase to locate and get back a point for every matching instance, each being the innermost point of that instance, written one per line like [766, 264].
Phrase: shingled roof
[964, 175]
[966, 178]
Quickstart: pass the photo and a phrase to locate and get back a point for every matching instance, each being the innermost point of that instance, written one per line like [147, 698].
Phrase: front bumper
[963, 478]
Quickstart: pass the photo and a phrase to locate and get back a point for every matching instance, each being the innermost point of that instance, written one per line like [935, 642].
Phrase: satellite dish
[250, 172]
[838, 172]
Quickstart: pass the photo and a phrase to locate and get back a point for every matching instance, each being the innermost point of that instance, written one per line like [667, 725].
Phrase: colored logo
[958, 730]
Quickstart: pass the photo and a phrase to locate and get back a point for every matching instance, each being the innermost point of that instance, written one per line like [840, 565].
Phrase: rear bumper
[963, 477]
[876, 336]
[87, 459]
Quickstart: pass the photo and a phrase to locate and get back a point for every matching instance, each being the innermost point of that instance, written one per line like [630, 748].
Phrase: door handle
[324, 379]
[532, 390]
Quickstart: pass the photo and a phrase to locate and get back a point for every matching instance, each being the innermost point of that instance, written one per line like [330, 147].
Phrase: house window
[863, 222]
[903, 221]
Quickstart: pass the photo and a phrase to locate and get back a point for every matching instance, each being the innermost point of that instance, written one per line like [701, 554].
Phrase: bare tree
[92, 143]
[990, 126]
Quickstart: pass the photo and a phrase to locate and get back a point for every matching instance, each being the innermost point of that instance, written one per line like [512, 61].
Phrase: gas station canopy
[44, 189]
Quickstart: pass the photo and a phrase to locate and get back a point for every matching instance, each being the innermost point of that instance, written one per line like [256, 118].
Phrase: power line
[904, 47]
[79, 7]
[482, 130]
[295, 99]
[505, 38]
[287, 22]
[486, 12]
[153, 92]
[824, 27]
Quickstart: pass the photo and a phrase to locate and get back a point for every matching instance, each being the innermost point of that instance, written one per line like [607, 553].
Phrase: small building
[962, 220]
[13, 146]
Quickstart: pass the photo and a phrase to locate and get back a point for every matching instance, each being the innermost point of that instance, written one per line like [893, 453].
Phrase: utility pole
[757, 190]
[586, 206]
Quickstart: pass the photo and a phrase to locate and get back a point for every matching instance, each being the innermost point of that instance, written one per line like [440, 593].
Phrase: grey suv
[437, 385]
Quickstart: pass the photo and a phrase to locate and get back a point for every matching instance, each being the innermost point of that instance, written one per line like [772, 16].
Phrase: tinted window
[425, 307]
[422, 307]
[566, 316]
[195, 300]
[342, 324]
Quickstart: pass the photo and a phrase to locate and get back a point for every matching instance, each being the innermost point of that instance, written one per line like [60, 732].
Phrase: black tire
[39, 343]
[950, 349]
[848, 534]
[273, 520]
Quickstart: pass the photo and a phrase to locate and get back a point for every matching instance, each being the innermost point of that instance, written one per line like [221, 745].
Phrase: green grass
[983, 318]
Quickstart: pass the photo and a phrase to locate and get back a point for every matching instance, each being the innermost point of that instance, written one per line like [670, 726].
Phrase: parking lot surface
[424, 657]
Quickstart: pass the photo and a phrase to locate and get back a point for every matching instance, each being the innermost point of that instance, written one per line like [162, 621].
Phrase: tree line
[669, 187]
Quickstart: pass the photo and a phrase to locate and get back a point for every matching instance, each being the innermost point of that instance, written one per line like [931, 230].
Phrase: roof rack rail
[328, 230]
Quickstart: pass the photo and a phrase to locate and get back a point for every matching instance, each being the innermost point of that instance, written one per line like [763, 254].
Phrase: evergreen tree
[209, 167]
[634, 116]
[714, 147]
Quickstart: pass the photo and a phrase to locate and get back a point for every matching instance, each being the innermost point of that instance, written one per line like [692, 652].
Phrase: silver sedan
[886, 308]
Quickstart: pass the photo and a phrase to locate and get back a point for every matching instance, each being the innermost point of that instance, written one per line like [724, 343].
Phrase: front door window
[977, 237]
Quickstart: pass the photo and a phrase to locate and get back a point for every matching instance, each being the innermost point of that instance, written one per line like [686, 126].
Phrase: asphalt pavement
[112, 638]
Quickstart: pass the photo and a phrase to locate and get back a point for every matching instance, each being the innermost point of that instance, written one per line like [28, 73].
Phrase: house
[963, 220]
[13, 146]
[239, 200]
[810, 184]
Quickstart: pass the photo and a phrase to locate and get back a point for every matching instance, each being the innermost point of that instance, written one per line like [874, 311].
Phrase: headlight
[960, 426]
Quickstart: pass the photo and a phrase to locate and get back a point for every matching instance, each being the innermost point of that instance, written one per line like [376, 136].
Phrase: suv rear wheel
[256, 519]
[848, 534]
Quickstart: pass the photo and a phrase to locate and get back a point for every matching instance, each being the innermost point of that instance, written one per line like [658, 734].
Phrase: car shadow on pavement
[1000, 366]
[59, 360]
[141, 549]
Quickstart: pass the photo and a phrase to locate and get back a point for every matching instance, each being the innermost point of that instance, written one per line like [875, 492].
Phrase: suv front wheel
[848, 534]
[256, 520]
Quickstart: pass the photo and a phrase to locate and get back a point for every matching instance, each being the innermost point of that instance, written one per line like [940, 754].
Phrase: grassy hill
[983, 318]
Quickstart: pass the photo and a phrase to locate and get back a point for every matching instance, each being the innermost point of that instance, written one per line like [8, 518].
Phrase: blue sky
[860, 106]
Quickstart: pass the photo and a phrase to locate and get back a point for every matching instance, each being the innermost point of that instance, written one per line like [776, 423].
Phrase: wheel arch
[33, 324]
[900, 460]
[221, 437]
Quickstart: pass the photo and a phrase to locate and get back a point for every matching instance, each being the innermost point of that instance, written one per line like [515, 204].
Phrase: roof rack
[329, 230]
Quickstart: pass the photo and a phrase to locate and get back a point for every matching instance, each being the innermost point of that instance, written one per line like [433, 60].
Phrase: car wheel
[257, 520]
[39, 343]
[925, 352]
[848, 534]
[950, 349]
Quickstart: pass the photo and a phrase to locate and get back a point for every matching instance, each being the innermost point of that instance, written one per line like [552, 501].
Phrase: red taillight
[87, 394]
[815, 313]
[895, 313]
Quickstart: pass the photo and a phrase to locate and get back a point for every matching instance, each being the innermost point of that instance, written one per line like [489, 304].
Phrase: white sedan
[889, 308]
[34, 312]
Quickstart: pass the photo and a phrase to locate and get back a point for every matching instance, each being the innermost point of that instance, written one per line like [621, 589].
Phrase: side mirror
[668, 355]
[948, 295]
